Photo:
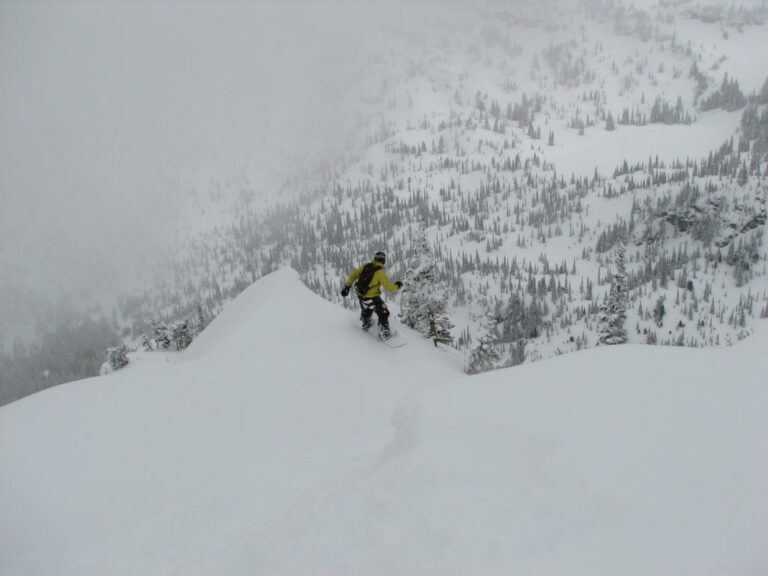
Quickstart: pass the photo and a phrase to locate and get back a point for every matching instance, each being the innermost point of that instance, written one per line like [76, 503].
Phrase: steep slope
[531, 139]
[286, 442]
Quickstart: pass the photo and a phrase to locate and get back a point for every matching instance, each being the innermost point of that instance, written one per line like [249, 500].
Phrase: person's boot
[384, 332]
[366, 324]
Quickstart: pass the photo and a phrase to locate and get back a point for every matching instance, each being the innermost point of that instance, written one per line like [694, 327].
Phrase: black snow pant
[370, 305]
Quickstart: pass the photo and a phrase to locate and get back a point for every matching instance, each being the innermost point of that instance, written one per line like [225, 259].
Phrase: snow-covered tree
[160, 335]
[484, 356]
[147, 343]
[201, 319]
[517, 353]
[613, 313]
[181, 335]
[117, 357]
[762, 97]
[659, 311]
[424, 304]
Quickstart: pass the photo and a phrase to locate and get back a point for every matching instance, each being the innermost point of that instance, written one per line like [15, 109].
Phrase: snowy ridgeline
[529, 149]
[283, 440]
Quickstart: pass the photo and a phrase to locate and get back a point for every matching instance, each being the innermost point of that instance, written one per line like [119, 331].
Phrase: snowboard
[394, 341]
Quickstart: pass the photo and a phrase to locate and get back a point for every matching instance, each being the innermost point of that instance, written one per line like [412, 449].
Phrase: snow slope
[286, 442]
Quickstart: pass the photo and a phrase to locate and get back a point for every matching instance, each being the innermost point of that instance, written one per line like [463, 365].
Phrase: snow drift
[284, 441]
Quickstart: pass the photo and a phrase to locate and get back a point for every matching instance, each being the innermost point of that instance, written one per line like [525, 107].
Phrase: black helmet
[380, 257]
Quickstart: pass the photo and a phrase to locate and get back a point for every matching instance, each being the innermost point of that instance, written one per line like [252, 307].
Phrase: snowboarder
[368, 280]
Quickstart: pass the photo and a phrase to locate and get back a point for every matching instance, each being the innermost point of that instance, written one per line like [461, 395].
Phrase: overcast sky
[110, 110]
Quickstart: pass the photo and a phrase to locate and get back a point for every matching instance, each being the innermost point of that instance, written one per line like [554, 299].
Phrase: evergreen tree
[517, 353]
[181, 336]
[743, 176]
[424, 304]
[484, 356]
[117, 357]
[613, 313]
[147, 343]
[762, 97]
[201, 320]
[439, 322]
[160, 335]
[659, 311]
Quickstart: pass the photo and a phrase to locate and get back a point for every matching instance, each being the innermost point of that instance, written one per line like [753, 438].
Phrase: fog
[110, 113]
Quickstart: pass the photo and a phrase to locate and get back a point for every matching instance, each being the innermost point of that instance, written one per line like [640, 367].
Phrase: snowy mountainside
[530, 139]
[285, 441]
[530, 147]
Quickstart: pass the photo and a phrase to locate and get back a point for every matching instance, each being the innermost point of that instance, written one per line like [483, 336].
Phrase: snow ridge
[260, 449]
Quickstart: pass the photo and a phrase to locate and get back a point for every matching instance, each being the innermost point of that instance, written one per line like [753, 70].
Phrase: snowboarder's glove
[345, 291]
[399, 284]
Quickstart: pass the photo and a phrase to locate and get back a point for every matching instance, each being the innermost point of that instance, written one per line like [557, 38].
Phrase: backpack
[364, 280]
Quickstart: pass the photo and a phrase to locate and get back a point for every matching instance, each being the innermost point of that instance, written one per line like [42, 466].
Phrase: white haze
[110, 113]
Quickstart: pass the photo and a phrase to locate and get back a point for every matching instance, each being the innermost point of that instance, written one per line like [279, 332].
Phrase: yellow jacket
[378, 280]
